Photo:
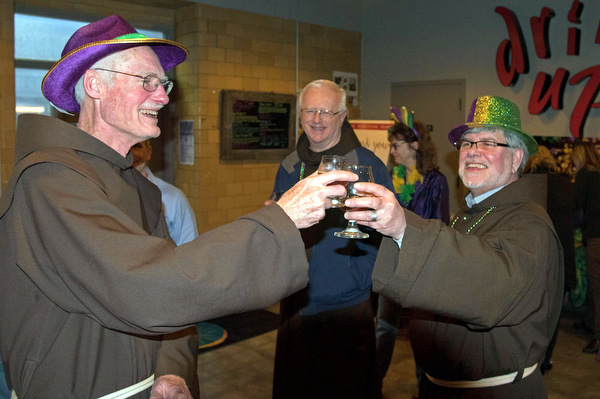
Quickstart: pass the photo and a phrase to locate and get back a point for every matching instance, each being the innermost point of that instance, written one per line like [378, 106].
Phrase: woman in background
[421, 188]
[586, 162]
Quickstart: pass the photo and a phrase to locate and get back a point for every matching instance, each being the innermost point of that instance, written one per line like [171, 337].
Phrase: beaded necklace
[302, 166]
[478, 220]
[405, 185]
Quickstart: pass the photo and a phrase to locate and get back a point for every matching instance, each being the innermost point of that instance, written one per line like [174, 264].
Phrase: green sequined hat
[490, 111]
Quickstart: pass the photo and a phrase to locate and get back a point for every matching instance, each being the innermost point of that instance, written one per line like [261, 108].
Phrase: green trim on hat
[132, 36]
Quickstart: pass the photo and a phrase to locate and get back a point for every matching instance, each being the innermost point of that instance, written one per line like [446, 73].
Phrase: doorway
[440, 104]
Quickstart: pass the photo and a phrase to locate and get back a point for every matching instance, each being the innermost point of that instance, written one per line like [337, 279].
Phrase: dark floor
[245, 370]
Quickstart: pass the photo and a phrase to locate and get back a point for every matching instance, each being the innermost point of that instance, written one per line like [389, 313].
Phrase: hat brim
[457, 133]
[59, 83]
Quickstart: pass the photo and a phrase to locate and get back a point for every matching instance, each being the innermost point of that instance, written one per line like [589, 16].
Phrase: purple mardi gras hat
[93, 42]
[494, 112]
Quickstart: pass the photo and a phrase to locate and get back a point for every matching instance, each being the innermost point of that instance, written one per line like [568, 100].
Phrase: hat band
[132, 36]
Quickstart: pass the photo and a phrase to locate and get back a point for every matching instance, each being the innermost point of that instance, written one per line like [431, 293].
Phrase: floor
[245, 370]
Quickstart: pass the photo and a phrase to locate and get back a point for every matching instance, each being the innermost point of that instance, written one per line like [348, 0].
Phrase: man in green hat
[488, 287]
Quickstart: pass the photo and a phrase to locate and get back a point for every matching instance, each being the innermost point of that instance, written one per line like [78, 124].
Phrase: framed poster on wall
[347, 81]
[257, 126]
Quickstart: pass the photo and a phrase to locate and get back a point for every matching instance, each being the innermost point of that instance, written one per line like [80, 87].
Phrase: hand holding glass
[333, 162]
[365, 174]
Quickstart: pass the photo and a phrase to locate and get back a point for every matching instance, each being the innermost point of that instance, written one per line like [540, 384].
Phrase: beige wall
[229, 49]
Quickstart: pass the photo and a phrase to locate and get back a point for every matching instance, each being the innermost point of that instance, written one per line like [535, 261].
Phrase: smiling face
[126, 109]
[322, 133]
[482, 170]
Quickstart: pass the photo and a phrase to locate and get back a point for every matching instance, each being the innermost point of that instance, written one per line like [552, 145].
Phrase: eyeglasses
[323, 113]
[397, 145]
[486, 145]
[151, 82]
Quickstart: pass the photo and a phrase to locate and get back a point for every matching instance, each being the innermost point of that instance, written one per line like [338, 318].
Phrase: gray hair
[512, 140]
[321, 83]
[107, 62]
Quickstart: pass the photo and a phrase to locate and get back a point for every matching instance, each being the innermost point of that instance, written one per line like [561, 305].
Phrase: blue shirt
[339, 268]
[180, 216]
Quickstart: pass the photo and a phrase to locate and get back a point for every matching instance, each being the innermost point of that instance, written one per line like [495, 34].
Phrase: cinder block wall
[229, 49]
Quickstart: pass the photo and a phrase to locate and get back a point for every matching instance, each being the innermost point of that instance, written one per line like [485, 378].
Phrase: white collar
[470, 200]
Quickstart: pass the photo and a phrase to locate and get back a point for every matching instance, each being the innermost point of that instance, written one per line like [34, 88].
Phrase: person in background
[91, 281]
[490, 284]
[586, 162]
[180, 217]
[421, 188]
[326, 338]
[561, 206]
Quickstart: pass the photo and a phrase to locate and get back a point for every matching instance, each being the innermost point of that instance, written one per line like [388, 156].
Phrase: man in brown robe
[95, 296]
[487, 289]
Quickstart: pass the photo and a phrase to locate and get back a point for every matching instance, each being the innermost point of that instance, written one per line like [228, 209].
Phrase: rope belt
[484, 382]
[131, 390]
[124, 393]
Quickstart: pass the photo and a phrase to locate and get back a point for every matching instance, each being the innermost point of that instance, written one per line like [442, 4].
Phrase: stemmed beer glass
[365, 174]
[333, 162]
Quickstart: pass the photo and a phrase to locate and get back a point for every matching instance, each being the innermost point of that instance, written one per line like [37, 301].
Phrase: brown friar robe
[487, 292]
[90, 283]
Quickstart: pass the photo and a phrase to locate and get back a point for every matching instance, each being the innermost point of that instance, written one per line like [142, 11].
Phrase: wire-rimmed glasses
[151, 81]
[486, 145]
[323, 113]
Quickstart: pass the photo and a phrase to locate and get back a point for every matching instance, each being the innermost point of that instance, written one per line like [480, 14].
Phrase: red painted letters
[512, 61]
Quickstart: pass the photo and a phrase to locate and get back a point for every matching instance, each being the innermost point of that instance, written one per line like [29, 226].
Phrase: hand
[305, 203]
[390, 215]
[170, 387]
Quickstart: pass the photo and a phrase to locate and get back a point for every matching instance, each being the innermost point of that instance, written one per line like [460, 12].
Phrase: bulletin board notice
[257, 126]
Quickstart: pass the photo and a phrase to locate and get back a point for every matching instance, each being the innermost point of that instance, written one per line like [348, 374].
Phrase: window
[35, 55]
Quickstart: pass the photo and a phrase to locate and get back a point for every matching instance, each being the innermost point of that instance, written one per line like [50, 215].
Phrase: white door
[441, 106]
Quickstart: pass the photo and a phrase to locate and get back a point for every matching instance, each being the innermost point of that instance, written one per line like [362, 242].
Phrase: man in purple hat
[97, 300]
[487, 289]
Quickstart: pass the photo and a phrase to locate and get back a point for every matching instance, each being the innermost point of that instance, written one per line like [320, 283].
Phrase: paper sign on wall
[186, 142]
[374, 136]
